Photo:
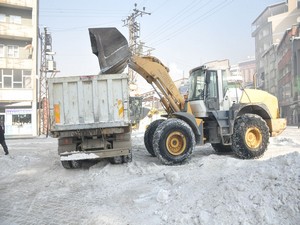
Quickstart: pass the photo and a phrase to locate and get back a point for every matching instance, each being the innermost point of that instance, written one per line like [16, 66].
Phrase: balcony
[16, 95]
[17, 3]
[15, 31]
[16, 63]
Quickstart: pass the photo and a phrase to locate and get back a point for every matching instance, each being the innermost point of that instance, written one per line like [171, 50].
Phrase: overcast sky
[184, 34]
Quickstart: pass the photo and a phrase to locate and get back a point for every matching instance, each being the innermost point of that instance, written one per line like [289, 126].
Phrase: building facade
[268, 29]
[288, 63]
[18, 66]
[246, 71]
[277, 56]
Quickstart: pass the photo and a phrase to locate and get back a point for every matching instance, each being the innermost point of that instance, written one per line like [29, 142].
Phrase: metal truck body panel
[90, 116]
[88, 102]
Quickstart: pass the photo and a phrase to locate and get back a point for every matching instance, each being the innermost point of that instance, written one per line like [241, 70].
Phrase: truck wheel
[127, 158]
[116, 160]
[76, 164]
[250, 136]
[221, 149]
[173, 141]
[148, 136]
[66, 164]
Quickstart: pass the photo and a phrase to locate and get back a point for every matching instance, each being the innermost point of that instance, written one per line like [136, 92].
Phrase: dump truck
[230, 118]
[90, 116]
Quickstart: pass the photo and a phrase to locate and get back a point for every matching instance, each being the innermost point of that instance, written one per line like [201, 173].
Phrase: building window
[15, 19]
[21, 119]
[13, 51]
[15, 78]
[1, 50]
[2, 18]
[26, 79]
[7, 82]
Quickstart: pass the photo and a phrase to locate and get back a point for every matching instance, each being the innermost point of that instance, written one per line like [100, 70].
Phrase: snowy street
[209, 189]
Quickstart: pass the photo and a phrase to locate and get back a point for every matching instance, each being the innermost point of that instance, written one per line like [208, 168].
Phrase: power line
[84, 27]
[134, 35]
[159, 7]
[173, 20]
[47, 65]
[198, 20]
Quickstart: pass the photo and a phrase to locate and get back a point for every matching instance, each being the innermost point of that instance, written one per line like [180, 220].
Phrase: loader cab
[205, 90]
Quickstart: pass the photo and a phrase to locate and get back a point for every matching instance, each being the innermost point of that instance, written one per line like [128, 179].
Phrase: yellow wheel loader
[228, 117]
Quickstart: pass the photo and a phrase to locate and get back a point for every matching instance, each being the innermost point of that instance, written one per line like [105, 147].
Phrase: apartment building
[245, 71]
[268, 29]
[277, 56]
[288, 64]
[18, 66]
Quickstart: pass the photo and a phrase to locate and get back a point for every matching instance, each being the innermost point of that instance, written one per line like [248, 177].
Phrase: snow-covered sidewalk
[209, 189]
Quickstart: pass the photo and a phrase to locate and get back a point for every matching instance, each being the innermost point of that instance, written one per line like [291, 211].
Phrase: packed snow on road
[208, 189]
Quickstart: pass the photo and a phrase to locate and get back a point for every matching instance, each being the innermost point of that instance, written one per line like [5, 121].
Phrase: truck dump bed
[88, 102]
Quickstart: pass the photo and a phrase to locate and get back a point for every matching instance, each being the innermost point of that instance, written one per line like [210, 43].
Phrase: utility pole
[134, 34]
[47, 69]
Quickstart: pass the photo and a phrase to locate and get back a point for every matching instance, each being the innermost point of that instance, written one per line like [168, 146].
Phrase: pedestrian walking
[2, 141]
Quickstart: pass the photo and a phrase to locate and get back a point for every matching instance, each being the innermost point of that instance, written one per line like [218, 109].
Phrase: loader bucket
[111, 48]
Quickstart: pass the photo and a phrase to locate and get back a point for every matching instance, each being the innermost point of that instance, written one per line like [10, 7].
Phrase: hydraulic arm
[156, 74]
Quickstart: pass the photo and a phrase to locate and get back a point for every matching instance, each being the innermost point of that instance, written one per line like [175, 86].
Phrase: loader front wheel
[173, 141]
[250, 136]
[148, 136]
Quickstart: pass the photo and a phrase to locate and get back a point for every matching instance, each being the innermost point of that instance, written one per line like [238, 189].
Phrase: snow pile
[209, 189]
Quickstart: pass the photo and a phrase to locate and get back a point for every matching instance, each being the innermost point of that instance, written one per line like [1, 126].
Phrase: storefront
[18, 121]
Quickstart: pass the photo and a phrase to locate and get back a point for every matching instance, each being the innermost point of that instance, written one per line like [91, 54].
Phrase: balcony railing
[17, 31]
[18, 3]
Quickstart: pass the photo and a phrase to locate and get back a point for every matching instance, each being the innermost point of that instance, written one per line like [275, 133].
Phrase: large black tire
[221, 149]
[72, 164]
[116, 160]
[66, 164]
[76, 164]
[148, 136]
[127, 158]
[250, 136]
[173, 141]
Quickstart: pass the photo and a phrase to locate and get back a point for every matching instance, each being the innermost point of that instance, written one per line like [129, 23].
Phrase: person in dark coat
[2, 141]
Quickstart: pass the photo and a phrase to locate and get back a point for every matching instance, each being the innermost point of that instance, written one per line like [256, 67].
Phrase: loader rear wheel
[173, 141]
[250, 136]
[221, 149]
[148, 136]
